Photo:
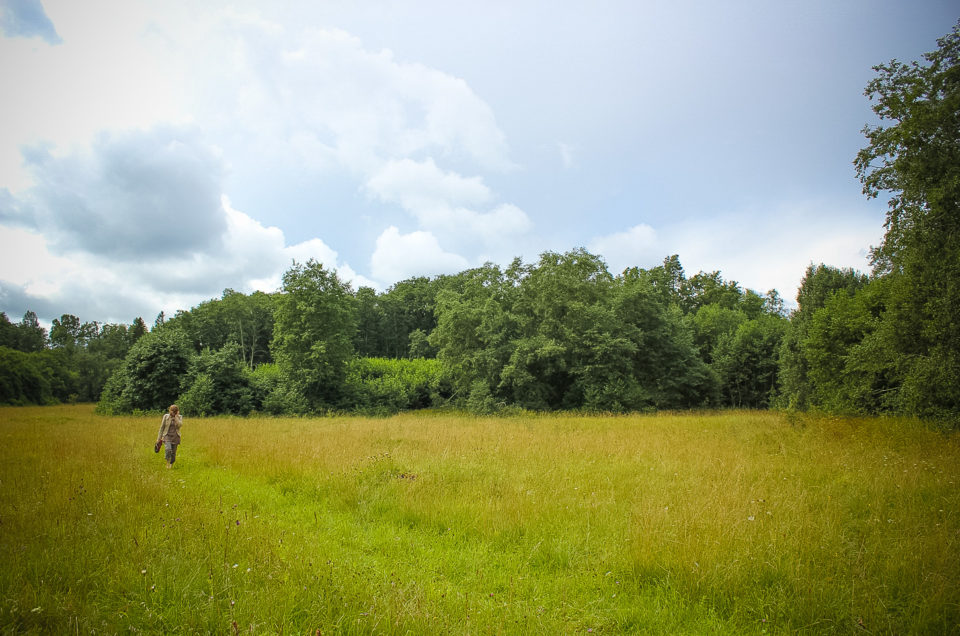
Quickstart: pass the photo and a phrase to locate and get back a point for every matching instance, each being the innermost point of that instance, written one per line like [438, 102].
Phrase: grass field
[738, 522]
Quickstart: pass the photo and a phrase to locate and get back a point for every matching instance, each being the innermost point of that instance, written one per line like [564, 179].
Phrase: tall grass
[745, 522]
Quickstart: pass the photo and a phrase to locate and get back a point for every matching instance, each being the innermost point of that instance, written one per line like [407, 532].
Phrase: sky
[153, 154]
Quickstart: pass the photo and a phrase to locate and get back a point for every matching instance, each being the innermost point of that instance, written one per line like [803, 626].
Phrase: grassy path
[433, 523]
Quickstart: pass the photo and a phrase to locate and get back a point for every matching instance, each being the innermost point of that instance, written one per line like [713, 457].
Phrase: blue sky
[154, 153]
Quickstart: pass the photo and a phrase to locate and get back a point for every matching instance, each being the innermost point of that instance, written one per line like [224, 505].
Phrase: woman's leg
[171, 453]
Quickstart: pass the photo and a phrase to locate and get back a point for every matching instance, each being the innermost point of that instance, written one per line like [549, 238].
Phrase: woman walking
[170, 433]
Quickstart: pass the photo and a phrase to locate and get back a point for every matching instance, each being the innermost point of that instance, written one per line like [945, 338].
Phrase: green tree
[914, 155]
[746, 361]
[565, 334]
[23, 379]
[315, 323]
[474, 331]
[370, 316]
[246, 320]
[137, 329]
[65, 331]
[151, 374]
[9, 333]
[216, 382]
[30, 335]
[819, 284]
[851, 368]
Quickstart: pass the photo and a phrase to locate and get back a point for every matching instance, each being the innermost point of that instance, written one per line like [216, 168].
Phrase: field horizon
[435, 522]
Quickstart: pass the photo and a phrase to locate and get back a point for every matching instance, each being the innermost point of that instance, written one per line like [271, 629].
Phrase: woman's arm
[164, 425]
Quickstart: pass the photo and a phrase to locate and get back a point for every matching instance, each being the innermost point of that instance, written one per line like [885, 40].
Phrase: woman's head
[174, 409]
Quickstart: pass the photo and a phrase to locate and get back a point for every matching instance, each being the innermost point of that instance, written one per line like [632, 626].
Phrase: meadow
[434, 522]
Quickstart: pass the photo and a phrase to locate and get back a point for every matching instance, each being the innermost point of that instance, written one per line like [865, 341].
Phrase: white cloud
[400, 256]
[636, 246]
[320, 93]
[438, 200]
[418, 185]
[247, 257]
[761, 251]
[129, 154]
[771, 250]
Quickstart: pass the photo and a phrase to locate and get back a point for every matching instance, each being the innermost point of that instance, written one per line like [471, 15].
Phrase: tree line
[564, 332]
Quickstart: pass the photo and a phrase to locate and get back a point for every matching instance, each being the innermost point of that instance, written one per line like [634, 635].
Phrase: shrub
[22, 380]
[389, 385]
[151, 374]
[200, 399]
[217, 382]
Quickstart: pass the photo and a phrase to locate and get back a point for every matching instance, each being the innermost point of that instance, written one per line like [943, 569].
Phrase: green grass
[743, 522]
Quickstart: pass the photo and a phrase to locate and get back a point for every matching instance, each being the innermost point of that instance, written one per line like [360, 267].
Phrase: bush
[151, 374]
[286, 400]
[217, 382]
[263, 380]
[200, 398]
[387, 385]
[22, 379]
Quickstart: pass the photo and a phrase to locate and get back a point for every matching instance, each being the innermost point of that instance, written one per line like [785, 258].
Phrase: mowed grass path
[742, 522]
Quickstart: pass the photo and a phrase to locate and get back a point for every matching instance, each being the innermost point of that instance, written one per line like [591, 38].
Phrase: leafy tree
[564, 334]
[22, 379]
[851, 368]
[914, 155]
[667, 364]
[216, 382]
[475, 329]
[368, 341]
[8, 332]
[137, 329]
[571, 350]
[112, 342]
[386, 321]
[151, 374]
[711, 323]
[30, 335]
[819, 284]
[246, 320]
[709, 289]
[65, 331]
[746, 361]
[420, 346]
[315, 323]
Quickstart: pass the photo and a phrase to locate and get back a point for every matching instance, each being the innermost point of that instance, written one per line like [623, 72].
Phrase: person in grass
[170, 433]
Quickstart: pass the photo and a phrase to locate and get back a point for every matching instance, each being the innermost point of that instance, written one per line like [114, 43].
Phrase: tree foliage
[315, 323]
[914, 156]
[151, 375]
[565, 334]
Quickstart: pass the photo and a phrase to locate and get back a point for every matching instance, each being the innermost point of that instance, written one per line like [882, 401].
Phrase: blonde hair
[174, 410]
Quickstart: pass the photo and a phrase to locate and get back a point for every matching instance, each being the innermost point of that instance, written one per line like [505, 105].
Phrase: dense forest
[564, 332]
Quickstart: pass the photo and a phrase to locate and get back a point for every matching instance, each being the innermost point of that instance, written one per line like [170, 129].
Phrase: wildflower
[750, 518]
[143, 571]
